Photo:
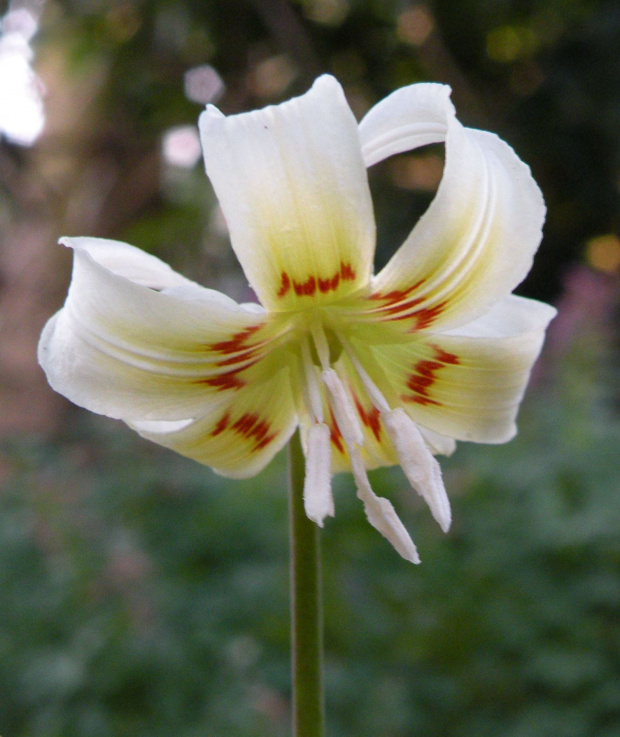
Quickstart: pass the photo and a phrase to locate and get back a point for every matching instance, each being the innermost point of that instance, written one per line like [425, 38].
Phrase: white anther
[381, 513]
[318, 499]
[344, 411]
[418, 463]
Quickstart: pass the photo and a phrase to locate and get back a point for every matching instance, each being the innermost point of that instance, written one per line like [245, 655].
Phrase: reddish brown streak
[370, 419]
[425, 375]
[335, 434]
[229, 380]
[415, 399]
[285, 284]
[397, 306]
[329, 285]
[221, 425]
[308, 288]
[248, 426]
[444, 356]
[239, 358]
[396, 295]
[236, 343]
[251, 426]
[401, 307]
[426, 316]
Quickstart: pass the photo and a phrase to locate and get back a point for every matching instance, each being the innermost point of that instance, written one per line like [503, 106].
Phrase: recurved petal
[293, 187]
[467, 383]
[240, 435]
[438, 444]
[476, 241]
[136, 341]
[411, 117]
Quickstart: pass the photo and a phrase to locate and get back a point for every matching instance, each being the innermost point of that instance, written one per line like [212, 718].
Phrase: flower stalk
[306, 606]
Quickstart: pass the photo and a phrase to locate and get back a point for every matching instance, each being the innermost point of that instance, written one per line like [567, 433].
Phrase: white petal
[512, 317]
[239, 436]
[293, 188]
[408, 118]
[416, 460]
[477, 240]
[318, 499]
[122, 349]
[130, 262]
[466, 383]
[438, 444]
[380, 512]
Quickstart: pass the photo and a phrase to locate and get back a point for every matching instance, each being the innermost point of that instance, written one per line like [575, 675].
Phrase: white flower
[376, 370]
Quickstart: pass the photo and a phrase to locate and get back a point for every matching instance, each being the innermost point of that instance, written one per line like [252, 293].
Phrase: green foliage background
[141, 594]
[144, 595]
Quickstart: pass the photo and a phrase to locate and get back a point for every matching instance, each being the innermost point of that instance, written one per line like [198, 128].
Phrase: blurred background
[140, 594]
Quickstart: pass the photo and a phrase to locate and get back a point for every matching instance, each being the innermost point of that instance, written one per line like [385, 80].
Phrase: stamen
[416, 460]
[418, 463]
[380, 512]
[321, 344]
[344, 410]
[318, 499]
[374, 393]
[312, 387]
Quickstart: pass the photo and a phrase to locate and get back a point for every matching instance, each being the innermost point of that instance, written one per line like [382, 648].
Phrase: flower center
[327, 386]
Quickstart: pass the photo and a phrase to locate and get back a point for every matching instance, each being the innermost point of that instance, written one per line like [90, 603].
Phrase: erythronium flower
[376, 370]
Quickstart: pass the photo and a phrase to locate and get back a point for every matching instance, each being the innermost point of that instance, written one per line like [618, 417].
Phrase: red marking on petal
[229, 380]
[285, 284]
[427, 368]
[396, 295]
[324, 285]
[240, 358]
[251, 426]
[425, 375]
[370, 419]
[306, 288]
[420, 384]
[329, 285]
[427, 316]
[265, 442]
[346, 272]
[402, 307]
[221, 425]
[416, 399]
[237, 342]
[334, 433]
[444, 356]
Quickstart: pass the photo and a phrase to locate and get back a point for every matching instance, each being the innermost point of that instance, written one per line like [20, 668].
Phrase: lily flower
[375, 370]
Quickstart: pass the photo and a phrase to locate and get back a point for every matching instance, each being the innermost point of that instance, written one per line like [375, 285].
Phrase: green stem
[306, 606]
